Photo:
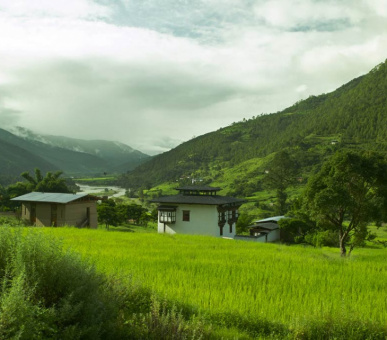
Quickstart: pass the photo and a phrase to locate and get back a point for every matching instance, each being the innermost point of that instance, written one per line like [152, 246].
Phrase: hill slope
[24, 150]
[354, 115]
[117, 154]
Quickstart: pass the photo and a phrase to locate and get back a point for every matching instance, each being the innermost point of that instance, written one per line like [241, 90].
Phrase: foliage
[51, 182]
[353, 116]
[281, 173]
[108, 213]
[293, 230]
[326, 238]
[112, 213]
[47, 292]
[244, 220]
[348, 193]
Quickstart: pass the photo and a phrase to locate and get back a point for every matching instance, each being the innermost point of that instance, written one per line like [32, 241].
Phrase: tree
[107, 213]
[281, 173]
[348, 193]
[51, 182]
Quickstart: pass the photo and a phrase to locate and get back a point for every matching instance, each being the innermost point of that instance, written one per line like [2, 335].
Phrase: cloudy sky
[155, 73]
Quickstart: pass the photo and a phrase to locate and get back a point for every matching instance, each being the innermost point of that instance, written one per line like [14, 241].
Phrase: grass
[254, 290]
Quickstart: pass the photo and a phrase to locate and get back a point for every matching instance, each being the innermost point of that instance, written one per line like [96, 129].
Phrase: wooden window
[167, 216]
[186, 215]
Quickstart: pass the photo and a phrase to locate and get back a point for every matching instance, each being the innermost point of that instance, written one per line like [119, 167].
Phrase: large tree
[348, 193]
[51, 182]
[280, 174]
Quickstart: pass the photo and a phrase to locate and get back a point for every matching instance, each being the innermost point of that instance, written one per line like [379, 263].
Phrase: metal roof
[198, 188]
[201, 199]
[49, 197]
[271, 219]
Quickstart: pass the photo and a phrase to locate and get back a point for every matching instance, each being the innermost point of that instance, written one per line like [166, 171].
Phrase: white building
[198, 210]
[266, 230]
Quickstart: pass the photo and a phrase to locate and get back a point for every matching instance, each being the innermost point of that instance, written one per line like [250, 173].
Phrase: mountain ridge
[352, 116]
[25, 150]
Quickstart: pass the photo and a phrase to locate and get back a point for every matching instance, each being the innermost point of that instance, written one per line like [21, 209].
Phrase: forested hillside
[353, 116]
[23, 150]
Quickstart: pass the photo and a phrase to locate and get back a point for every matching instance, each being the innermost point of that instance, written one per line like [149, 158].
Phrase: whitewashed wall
[203, 221]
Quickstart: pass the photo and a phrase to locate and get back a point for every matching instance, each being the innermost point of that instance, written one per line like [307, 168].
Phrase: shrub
[327, 238]
[48, 292]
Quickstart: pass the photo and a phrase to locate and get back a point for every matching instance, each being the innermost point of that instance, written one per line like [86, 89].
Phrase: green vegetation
[50, 182]
[111, 213]
[234, 158]
[48, 292]
[246, 290]
[347, 194]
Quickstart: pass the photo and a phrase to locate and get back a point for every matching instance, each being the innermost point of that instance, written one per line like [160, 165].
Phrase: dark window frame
[186, 215]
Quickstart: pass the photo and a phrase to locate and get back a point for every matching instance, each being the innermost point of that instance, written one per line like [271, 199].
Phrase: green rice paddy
[265, 290]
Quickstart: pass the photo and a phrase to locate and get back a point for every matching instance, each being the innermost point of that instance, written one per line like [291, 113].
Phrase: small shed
[58, 209]
[267, 229]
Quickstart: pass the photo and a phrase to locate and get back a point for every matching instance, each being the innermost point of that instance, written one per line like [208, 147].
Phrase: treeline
[354, 116]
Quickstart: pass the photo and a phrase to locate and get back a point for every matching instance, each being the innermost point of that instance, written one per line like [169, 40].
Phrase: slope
[354, 115]
[68, 161]
[118, 155]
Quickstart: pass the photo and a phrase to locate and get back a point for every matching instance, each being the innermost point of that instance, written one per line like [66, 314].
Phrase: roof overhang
[49, 197]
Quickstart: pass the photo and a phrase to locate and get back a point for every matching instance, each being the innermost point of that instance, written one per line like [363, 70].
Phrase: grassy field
[250, 290]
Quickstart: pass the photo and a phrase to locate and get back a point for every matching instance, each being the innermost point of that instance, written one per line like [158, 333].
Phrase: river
[89, 189]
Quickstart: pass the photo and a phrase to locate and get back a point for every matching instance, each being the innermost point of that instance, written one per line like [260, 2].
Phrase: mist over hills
[353, 116]
[23, 150]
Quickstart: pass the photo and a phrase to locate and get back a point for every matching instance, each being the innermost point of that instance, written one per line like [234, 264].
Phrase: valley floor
[249, 290]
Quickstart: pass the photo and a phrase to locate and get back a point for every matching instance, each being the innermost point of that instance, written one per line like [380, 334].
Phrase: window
[186, 215]
[167, 216]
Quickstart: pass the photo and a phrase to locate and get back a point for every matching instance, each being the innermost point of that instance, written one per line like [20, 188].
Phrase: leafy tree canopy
[348, 193]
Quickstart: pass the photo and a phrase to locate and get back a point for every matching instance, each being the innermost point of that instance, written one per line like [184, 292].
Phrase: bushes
[327, 238]
[51, 293]
[47, 291]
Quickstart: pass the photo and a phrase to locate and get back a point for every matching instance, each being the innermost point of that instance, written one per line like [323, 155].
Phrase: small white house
[198, 210]
[266, 230]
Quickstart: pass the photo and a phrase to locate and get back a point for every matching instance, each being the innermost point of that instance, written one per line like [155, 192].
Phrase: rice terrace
[239, 290]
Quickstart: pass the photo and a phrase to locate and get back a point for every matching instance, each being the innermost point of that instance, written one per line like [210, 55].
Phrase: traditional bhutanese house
[266, 230]
[57, 209]
[198, 210]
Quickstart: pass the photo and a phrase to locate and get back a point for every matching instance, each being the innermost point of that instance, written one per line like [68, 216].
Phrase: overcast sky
[153, 73]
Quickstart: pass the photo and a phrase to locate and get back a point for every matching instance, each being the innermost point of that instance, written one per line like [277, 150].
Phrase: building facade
[199, 211]
[58, 209]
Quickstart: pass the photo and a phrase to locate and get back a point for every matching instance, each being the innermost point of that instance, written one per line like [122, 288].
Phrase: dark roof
[49, 197]
[202, 199]
[198, 188]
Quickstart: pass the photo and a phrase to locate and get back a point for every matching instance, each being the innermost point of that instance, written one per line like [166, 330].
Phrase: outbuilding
[198, 210]
[267, 229]
[58, 209]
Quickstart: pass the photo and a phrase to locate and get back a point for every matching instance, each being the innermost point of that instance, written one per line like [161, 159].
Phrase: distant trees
[348, 193]
[51, 182]
[111, 213]
[281, 173]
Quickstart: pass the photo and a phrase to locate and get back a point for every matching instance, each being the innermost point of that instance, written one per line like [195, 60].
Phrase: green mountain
[353, 116]
[115, 153]
[24, 150]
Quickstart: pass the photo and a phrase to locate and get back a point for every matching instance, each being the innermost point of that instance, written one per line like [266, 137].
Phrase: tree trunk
[343, 250]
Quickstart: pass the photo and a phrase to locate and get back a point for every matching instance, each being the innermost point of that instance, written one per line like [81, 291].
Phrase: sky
[153, 74]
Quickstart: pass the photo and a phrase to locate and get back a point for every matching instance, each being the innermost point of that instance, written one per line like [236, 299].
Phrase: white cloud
[148, 74]
[86, 9]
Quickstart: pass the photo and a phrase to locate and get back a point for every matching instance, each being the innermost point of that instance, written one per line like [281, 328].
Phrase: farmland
[247, 290]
